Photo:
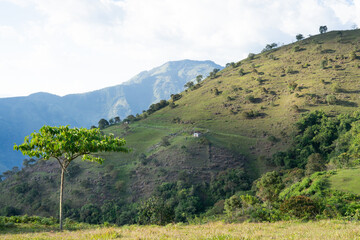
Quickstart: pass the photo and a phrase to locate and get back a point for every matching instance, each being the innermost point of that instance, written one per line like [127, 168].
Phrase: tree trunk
[61, 196]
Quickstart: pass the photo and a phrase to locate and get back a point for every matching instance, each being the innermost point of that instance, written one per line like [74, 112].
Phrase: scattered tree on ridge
[103, 123]
[189, 84]
[299, 37]
[323, 29]
[199, 78]
[66, 144]
[117, 119]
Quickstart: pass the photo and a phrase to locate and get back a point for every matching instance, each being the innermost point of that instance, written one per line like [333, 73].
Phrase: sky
[75, 46]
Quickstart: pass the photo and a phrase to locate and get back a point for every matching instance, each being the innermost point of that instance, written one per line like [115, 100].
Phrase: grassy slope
[279, 230]
[346, 180]
[221, 118]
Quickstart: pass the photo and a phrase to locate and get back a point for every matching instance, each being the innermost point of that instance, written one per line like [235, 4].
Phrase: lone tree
[66, 144]
[199, 78]
[299, 37]
[322, 29]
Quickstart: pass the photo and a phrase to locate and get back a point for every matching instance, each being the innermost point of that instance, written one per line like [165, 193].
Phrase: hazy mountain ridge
[19, 116]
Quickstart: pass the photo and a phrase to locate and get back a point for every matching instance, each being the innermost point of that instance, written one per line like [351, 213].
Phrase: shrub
[90, 213]
[273, 139]
[260, 80]
[175, 97]
[269, 186]
[215, 91]
[250, 98]
[336, 88]
[290, 70]
[292, 85]
[324, 63]
[353, 56]
[241, 72]
[331, 99]
[165, 141]
[300, 207]
[172, 105]
[251, 56]
[315, 163]
[232, 204]
[296, 49]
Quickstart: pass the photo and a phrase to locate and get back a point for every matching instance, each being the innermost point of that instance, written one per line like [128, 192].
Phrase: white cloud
[75, 46]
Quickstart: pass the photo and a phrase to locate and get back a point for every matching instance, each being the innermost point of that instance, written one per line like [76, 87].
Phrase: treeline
[103, 123]
[170, 202]
[176, 201]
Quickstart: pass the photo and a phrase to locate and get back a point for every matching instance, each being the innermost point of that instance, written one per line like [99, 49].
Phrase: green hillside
[245, 113]
[346, 180]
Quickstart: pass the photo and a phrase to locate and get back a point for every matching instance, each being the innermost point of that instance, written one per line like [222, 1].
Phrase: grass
[346, 180]
[325, 229]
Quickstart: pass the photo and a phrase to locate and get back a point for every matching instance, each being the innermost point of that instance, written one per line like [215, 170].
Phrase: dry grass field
[324, 229]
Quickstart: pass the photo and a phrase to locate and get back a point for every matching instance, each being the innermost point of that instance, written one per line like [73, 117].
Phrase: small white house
[197, 134]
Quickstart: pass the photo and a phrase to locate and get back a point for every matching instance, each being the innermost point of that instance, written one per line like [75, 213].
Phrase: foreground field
[324, 229]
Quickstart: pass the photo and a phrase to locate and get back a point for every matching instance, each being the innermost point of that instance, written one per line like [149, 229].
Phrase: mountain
[19, 116]
[244, 114]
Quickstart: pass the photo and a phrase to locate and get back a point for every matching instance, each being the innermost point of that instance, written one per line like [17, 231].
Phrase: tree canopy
[66, 144]
[322, 29]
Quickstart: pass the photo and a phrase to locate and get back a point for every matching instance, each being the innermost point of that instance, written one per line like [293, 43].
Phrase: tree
[199, 78]
[251, 56]
[189, 84]
[103, 123]
[268, 47]
[117, 119]
[66, 144]
[322, 29]
[299, 37]
[269, 186]
[315, 163]
[216, 70]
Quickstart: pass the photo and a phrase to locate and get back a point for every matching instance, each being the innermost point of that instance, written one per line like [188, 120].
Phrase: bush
[250, 98]
[251, 56]
[315, 163]
[292, 85]
[273, 139]
[165, 141]
[90, 213]
[336, 88]
[264, 213]
[232, 204]
[324, 63]
[269, 186]
[300, 207]
[175, 97]
[241, 72]
[331, 99]
[353, 56]
[251, 114]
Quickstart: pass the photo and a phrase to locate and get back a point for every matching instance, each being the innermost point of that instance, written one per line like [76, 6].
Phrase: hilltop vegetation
[246, 115]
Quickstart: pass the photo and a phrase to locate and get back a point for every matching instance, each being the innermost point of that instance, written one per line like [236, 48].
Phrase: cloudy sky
[73, 46]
